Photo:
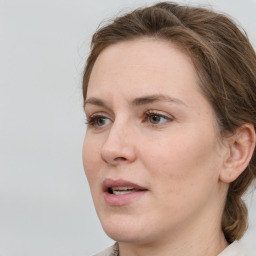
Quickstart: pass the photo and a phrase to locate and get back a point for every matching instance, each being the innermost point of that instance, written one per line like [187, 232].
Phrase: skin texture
[176, 156]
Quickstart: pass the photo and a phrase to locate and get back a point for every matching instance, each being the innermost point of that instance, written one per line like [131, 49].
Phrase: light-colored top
[110, 251]
[233, 249]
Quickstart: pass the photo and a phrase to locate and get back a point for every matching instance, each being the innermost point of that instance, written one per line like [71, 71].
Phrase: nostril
[114, 154]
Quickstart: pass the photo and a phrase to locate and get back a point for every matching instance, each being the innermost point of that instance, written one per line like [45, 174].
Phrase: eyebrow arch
[137, 101]
[155, 98]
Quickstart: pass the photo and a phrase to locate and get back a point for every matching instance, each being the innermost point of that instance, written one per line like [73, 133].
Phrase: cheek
[91, 159]
[183, 178]
[181, 163]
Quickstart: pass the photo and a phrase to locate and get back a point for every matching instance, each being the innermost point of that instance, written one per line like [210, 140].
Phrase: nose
[119, 146]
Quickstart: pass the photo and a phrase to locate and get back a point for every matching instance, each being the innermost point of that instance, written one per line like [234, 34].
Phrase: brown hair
[226, 65]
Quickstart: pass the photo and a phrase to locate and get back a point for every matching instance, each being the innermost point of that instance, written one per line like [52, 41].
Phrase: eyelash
[92, 121]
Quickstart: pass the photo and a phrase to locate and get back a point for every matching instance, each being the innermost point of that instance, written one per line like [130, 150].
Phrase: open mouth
[121, 187]
[123, 190]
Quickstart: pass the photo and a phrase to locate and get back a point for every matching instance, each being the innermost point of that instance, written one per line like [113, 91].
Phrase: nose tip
[114, 154]
[118, 148]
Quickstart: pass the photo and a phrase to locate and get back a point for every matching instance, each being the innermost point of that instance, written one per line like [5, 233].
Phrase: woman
[170, 99]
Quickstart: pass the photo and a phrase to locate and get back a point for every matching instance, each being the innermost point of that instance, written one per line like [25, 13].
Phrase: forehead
[142, 64]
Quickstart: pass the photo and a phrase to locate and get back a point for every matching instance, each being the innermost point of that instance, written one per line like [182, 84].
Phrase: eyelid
[97, 114]
[159, 113]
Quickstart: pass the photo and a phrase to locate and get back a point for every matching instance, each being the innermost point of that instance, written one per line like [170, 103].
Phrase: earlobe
[241, 148]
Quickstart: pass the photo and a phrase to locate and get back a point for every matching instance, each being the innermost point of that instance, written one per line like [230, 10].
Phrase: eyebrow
[138, 101]
[156, 98]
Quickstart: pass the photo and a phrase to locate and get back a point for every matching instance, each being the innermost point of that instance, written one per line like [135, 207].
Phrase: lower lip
[118, 200]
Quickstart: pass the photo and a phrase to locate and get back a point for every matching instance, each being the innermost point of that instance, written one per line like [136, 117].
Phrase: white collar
[233, 249]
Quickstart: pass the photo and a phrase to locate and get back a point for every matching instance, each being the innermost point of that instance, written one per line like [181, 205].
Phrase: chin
[121, 236]
[124, 229]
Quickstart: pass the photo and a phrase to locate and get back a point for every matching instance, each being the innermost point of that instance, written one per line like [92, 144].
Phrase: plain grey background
[45, 202]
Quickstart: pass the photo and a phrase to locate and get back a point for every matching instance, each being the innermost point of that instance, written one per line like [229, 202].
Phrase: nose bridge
[116, 136]
[119, 144]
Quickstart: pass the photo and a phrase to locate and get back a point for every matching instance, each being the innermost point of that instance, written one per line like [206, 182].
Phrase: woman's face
[151, 152]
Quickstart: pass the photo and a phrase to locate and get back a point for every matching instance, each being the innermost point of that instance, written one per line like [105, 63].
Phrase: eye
[155, 118]
[97, 121]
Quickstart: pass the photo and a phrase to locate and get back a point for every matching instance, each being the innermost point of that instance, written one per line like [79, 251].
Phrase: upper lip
[110, 183]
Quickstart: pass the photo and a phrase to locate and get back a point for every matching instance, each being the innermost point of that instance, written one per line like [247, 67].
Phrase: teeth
[123, 190]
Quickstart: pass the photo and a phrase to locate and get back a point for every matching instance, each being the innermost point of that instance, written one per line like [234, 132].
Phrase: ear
[240, 150]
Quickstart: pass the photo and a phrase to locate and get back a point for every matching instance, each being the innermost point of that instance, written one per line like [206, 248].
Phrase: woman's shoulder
[110, 251]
